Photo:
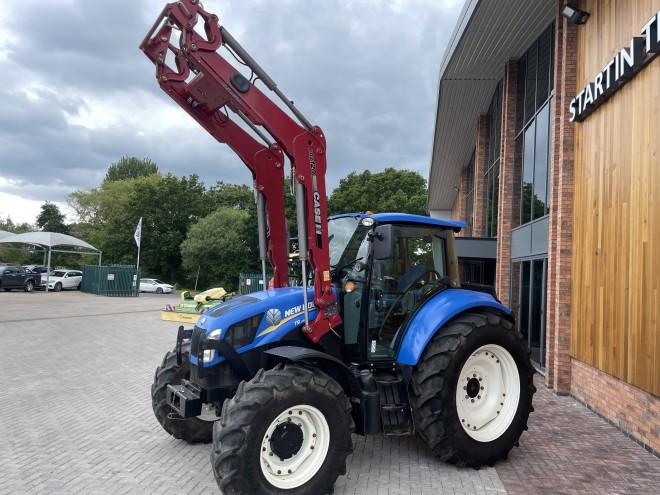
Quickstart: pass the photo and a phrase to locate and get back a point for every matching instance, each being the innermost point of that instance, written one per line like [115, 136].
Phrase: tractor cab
[385, 267]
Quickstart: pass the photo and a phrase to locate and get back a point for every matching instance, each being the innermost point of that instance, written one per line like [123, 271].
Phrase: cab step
[394, 407]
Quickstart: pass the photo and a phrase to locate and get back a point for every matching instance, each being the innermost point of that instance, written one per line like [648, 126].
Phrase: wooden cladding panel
[616, 237]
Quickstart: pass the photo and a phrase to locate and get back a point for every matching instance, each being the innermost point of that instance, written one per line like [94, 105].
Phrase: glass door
[529, 296]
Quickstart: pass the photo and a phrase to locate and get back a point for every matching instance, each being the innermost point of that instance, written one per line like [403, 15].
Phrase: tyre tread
[430, 390]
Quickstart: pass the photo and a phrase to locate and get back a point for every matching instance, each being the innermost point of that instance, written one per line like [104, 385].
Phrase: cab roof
[405, 218]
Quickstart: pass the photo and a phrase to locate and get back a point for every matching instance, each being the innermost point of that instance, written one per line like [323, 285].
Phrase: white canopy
[4, 233]
[47, 239]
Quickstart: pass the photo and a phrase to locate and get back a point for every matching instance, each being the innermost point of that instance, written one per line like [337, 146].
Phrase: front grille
[197, 336]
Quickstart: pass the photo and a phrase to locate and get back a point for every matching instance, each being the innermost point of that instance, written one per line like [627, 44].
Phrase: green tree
[168, 206]
[95, 207]
[16, 228]
[129, 167]
[51, 219]
[217, 245]
[236, 196]
[391, 190]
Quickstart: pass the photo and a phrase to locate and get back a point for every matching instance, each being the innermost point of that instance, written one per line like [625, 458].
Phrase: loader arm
[206, 85]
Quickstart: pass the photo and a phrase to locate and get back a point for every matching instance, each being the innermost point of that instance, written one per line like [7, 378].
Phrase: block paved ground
[76, 418]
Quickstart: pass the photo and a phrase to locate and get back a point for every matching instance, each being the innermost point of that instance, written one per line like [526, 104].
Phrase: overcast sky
[76, 93]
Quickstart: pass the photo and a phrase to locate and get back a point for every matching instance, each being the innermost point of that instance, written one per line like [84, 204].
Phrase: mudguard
[435, 313]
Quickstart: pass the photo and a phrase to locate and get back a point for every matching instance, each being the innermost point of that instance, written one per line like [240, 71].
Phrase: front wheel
[159, 290]
[192, 430]
[288, 430]
[471, 392]
[58, 287]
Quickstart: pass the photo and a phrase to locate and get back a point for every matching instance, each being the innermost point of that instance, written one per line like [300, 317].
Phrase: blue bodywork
[282, 309]
[405, 218]
[435, 313]
[288, 301]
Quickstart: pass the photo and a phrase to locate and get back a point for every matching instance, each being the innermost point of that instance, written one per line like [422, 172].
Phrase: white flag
[138, 232]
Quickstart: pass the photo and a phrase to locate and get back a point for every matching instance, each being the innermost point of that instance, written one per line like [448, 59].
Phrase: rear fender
[436, 312]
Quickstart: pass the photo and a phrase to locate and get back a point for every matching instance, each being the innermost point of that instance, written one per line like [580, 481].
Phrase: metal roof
[488, 33]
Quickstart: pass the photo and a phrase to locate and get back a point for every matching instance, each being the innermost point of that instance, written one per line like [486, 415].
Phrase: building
[547, 139]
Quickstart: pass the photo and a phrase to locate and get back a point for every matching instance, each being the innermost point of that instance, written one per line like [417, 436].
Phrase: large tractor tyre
[471, 392]
[192, 430]
[286, 431]
[29, 286]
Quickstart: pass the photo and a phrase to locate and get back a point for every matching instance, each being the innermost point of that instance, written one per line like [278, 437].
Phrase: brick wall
[459, 210]
[508, 162]
[560, 259]
[632, 410]
[480, 185]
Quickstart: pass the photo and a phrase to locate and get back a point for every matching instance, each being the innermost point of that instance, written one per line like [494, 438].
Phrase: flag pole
[138, 237]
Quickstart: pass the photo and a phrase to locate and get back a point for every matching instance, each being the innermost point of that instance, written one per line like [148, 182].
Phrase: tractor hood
[260, 318]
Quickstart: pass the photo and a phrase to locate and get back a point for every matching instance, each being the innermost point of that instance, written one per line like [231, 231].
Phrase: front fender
[435, 313]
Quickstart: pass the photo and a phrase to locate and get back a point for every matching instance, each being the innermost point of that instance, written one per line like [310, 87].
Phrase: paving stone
[76, 371]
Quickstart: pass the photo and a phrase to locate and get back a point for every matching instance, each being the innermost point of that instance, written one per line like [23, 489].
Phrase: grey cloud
[364, 72]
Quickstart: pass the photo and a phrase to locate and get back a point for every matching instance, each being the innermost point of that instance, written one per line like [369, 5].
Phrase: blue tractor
[380, 339]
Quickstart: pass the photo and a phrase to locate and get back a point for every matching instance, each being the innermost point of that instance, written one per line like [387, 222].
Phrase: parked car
[36, 268]
[64, 279]
[17, 277]
[155, 285]
[41, 269]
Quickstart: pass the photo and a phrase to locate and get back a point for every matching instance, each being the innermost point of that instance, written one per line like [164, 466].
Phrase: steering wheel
[399, 300]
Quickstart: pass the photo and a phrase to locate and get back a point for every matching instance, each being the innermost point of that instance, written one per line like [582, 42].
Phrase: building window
[469, 198]
[492, 175]
[535, 88]
[535, 70]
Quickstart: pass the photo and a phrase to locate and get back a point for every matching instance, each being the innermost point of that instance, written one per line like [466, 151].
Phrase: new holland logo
[273, 317]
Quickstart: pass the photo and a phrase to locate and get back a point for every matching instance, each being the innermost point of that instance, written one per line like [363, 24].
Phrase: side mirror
[383, 240]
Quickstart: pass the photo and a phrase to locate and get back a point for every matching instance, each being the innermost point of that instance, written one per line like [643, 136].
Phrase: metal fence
[252, 282]
[111, 280]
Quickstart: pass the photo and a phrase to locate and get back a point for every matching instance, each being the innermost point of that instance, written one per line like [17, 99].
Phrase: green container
[252, 282]
[111, 280]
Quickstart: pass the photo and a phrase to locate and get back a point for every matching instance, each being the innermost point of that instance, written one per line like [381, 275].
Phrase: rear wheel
[471, 392]
[192, 430]
[29, 286]
[288, 430]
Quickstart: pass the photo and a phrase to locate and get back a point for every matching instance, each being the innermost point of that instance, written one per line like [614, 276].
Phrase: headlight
[209, 354]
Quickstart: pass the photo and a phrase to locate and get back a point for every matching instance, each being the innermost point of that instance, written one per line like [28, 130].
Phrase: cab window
[398, 283]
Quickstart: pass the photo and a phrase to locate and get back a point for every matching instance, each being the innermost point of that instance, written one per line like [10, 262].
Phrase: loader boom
[206, 85]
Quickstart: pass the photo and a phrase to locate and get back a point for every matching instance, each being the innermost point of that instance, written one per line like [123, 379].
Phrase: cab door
[401, 276]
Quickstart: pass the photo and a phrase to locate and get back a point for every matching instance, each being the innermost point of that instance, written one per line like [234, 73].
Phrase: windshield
[345, 235]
